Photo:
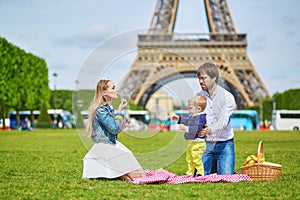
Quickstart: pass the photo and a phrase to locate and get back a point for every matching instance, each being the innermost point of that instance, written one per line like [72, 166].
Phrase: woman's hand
[122, 105]
[127, 121]
[125, 124]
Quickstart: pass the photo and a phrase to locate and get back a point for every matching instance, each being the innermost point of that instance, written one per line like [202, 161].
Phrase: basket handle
[260, 152]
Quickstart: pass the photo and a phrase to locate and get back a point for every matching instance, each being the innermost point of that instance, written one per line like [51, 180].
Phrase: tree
[4, 74]
[44, 119]
[267, 105]
[61, 99]
[24, 79]
[37, 88]
[288, 100]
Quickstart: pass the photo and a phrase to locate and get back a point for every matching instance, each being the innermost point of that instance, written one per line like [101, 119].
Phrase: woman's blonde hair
[99, 99]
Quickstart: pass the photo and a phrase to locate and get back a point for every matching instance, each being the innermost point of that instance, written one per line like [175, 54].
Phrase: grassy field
[47, 164]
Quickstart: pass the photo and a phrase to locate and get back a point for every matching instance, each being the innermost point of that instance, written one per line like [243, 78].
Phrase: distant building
[160, 105]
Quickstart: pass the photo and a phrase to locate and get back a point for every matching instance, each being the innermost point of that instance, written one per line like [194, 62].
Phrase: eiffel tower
[164, 56]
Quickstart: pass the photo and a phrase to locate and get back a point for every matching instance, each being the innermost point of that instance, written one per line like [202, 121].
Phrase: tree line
[23, 80]
[287, 100]
[24, 85]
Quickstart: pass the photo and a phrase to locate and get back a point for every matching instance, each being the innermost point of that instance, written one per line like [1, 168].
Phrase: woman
[108, 158]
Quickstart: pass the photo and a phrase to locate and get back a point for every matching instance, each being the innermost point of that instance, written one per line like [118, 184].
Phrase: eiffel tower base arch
[163, 58]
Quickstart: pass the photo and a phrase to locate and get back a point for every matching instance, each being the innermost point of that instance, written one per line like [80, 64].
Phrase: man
[219, 156]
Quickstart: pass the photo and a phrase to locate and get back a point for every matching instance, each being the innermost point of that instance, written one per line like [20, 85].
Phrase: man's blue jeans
[219, 157]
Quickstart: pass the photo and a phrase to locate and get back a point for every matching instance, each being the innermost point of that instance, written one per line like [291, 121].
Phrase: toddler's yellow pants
[194, 158]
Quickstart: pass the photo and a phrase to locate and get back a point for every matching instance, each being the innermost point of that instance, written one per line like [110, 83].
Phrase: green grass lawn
[47, 164]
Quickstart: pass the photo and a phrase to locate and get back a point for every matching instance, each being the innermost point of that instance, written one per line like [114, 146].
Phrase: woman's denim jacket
[106, 125]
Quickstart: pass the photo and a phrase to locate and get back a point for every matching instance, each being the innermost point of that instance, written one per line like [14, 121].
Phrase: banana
[250, 160]
[253, 157]
[247, 160]
[262, 160]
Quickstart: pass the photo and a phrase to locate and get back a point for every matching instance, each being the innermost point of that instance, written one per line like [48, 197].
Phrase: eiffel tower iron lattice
[164, 56]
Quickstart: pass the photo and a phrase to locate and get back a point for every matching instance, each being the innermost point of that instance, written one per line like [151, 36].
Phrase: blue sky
[66, 33]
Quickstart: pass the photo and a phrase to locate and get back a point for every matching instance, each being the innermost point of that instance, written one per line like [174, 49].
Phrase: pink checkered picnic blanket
[164, 176]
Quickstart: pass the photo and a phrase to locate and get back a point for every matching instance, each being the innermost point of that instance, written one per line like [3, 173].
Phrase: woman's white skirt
[109, 161]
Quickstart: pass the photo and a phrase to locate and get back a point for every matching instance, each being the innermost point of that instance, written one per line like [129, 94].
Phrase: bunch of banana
[252, 159]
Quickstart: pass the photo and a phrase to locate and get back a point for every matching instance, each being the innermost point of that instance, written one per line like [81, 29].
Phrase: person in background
[219, 156]
[108, 158]
[192, 125]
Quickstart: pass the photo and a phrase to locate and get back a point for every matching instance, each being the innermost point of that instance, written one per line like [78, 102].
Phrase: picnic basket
[262, 170]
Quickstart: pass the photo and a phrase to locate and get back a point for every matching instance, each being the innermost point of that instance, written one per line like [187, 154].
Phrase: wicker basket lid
[272, 164]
